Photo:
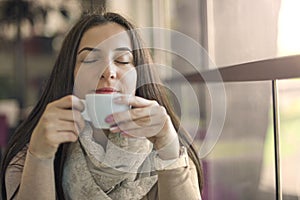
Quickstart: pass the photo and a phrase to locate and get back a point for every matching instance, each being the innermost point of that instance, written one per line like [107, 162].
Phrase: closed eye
[123, 58]
[122, 62]
[89, 61]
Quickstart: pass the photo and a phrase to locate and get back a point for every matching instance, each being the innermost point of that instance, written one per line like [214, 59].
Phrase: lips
[106, 90]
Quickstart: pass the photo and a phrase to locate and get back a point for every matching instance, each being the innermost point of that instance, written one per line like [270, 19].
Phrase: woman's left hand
[146, 119]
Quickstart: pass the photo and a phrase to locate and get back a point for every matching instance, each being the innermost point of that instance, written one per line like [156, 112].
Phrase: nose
[110, 72]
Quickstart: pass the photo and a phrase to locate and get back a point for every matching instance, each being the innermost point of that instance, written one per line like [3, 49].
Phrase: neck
[100, 136]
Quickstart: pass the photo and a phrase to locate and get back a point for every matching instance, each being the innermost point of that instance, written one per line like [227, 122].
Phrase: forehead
[107, 35]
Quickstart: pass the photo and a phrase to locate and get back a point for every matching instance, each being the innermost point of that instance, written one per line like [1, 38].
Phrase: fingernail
[113, 128]
[109, 119]
[124, 133]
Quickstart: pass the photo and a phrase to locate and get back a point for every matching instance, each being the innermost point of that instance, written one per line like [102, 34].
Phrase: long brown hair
[61, 83]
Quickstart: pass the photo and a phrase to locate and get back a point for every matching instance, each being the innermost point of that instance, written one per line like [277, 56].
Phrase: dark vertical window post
[276, 124]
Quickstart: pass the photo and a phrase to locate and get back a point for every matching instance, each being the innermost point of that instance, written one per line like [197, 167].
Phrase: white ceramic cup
[99, 106]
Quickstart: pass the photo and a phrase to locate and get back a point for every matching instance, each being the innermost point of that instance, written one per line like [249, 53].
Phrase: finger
[126, 134]
[135, 101]
[68, 102]
[139, 124]
[63, 136]
[136, 114]
[66, 126]
[72, 116]
[144, 132]
[130, 115]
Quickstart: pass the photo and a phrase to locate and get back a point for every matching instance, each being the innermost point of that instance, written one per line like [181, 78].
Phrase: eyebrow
[123, 49]
[88, 49]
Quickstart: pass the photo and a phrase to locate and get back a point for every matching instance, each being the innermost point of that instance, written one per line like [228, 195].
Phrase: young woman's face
[104, 62]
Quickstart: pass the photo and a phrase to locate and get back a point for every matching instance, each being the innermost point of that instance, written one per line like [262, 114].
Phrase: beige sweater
[176, 184]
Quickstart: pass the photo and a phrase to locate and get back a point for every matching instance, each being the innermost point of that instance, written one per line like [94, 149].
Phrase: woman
[46, 160]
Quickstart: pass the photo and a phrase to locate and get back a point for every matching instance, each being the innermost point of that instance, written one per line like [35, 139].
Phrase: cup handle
[84, 113]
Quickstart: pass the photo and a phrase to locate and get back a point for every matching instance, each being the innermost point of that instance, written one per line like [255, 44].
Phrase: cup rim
[111, 94]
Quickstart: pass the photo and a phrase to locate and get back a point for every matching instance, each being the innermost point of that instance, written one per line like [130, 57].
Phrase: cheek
[85, 82]
[129, 81]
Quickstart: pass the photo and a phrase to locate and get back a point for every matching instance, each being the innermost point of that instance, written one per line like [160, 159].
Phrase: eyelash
[121, 62]
[88, 61]
[95, 60]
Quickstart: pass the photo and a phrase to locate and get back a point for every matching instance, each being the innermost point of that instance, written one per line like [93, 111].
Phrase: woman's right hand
[61, 122]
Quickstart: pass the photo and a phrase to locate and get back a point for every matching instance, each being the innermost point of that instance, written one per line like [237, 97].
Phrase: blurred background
[241, 164]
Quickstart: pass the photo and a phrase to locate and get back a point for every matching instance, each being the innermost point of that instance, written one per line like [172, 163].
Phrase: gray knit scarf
[122, 170]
